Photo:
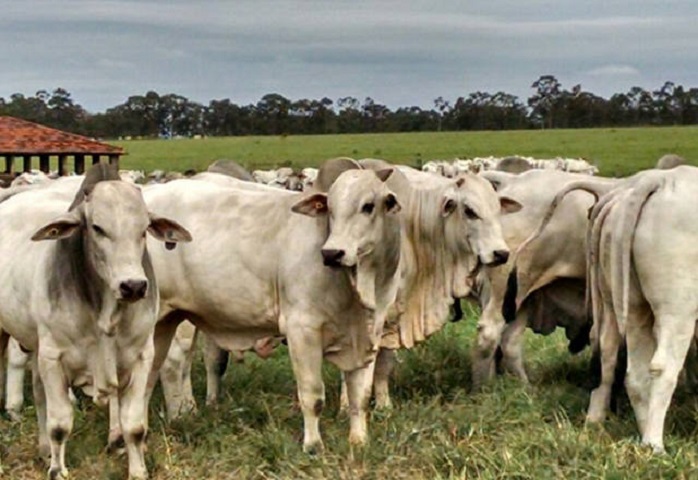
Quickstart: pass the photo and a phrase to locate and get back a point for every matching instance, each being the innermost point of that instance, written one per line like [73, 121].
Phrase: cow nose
[500, 257]
[331, 257]
[132, 290]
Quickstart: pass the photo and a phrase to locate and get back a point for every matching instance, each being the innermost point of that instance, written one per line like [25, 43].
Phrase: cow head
[113, 220]
[471, 209]
[357, 204]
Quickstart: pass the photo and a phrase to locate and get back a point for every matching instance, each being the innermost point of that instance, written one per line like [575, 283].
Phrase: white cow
[257, 271]
[80, 294]
[642, 247]
[450, 228]
[546, 289]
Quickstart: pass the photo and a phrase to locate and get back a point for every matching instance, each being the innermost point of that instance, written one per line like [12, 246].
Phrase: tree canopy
[172, 115]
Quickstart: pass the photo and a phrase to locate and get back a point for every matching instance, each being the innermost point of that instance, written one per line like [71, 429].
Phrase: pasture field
[615, 151]
[438, 429]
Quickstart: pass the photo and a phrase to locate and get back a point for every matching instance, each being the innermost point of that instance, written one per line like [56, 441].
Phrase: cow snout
[500, 257]
[332, 257]
[132, 290]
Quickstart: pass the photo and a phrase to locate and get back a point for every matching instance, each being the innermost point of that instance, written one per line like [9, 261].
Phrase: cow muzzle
[498, 257]
[332, 257]
[133, 290]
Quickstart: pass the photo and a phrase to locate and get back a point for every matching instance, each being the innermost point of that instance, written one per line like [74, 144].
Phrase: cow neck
[74, 275]
[377, 278]
[429, 267]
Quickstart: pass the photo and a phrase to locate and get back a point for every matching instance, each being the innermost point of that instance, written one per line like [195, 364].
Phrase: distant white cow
[82, 297]
[513, 164]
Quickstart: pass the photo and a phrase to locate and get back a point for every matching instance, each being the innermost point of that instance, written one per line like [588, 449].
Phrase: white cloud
[614, 71]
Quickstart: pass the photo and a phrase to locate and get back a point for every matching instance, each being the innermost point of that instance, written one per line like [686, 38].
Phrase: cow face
[114, 221]
[357, 205]
[471, 208]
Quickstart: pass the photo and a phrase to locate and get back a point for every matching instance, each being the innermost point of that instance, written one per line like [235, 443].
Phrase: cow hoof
[657, 448]
[116, 445]
[592, 419]
[357, 440]
[58, 474]
[315, 448]
[44, 453]
[138, 476]
[15, 416]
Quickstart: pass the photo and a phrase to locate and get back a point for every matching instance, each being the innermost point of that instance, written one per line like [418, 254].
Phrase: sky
[399, 53]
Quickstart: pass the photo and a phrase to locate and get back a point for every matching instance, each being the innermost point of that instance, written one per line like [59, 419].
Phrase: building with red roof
[27, 140]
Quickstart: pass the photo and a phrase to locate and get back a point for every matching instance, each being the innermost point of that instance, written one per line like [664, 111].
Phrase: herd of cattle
[105, 283]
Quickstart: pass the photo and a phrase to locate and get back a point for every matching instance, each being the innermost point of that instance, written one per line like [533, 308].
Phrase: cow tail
[620, 285]
[588, 186]
[594, 302]
[509, 307]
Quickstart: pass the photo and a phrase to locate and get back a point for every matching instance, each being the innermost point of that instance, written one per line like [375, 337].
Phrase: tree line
[171, 115]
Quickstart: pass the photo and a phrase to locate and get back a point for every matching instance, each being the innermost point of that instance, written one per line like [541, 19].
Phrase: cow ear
[384, 174]
[62, 227]
[495, 183]
[314, 205]
[509, 205]
[448, 206]
[391, 203]
[167, 231]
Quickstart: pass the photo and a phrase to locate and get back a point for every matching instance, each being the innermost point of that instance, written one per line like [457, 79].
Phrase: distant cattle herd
[108, 278]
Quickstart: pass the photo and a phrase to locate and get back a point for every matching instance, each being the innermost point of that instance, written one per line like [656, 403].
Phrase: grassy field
[438, 429]
[615, 151]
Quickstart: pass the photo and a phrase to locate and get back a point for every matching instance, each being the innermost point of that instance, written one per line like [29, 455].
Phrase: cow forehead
[477, 191]
[354, 185]
[116, 201]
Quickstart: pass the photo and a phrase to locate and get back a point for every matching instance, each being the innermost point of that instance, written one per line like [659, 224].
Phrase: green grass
[438, 429]
[615, 151]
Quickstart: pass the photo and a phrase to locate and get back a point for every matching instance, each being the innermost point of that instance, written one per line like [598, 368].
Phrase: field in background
[615, 151]
[438, 429]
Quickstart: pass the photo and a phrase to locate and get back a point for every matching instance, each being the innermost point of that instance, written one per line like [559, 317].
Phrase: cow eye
[470, 213]
[368, 208]
[99, 230]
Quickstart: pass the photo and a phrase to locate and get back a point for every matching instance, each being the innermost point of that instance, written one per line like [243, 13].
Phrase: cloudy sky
[399, 52]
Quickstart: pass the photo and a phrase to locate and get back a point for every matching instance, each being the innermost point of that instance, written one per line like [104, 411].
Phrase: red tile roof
[21, 137]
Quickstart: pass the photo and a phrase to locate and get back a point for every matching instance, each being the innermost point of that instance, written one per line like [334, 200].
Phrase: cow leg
[4, 340]
[115, 441]
[305, 348]
[512, 346]
[165, 330]
[489, 333]
[385, 362]
[343, 393]
[609, 343]
[674, 334]
[132, 410]
[640, 347]
[216, 362]
[39, 394]
[17, 362]
[359, 383]
[175, 373]
[59, 413]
